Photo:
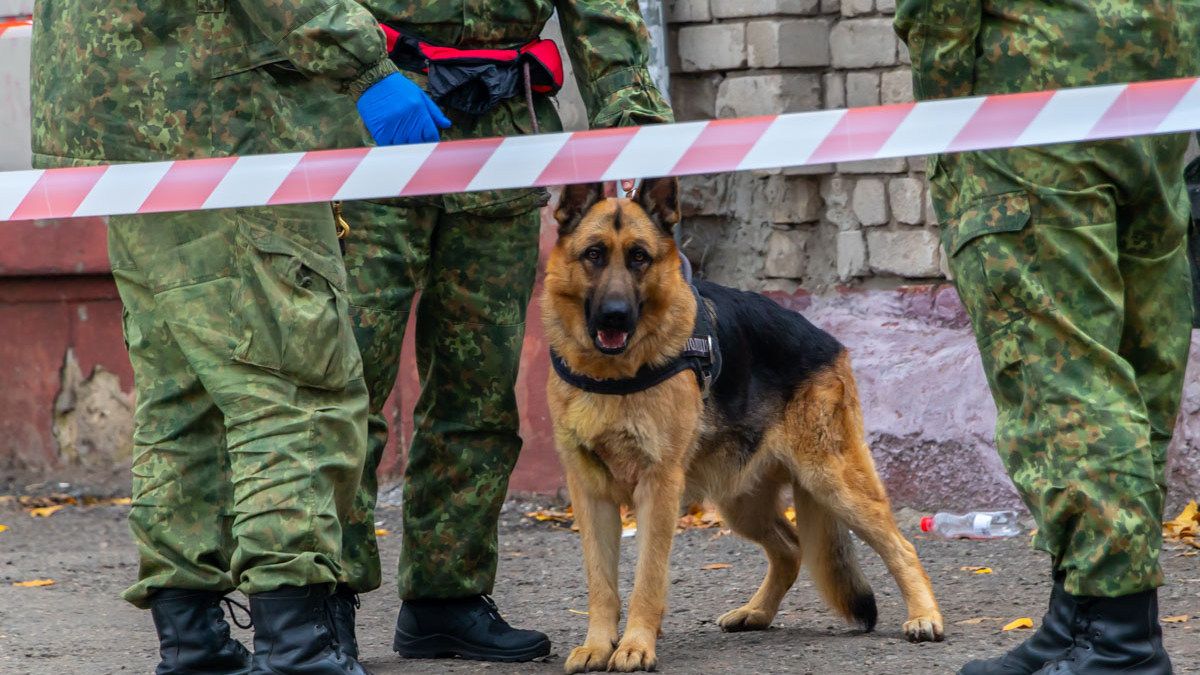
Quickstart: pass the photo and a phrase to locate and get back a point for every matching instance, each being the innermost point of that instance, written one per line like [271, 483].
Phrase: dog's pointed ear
[574, 204]
[659, 197]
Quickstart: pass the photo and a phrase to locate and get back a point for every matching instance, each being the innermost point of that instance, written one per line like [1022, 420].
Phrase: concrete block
[857, 7]
[732, 9]
[787, 43]
[896, 86]
[835, 90]
[694, 98]
[917, 164]
[886, 6]
[894, 165]
[870, 202]
[831, 6]
[906, 197]
[836, 192]
[768, 94]
[688, 11]
[907, 253]
[851, 255]
[712, 47]
[808, 170]
[931, 217]
[16, 8]
[786, 254]
[862, 89]
[792, 200]
[704, 195]
[14, 102]
[863, 43]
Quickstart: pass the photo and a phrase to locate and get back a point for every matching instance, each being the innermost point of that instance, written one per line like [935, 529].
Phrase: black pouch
[474, 81]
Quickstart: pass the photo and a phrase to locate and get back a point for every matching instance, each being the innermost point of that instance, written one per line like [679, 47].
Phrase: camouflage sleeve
[940, 35]
[609, 46]
[336, 39]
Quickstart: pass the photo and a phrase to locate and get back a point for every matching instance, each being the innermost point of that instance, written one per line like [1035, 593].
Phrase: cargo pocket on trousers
[987, 258]
[293, 315]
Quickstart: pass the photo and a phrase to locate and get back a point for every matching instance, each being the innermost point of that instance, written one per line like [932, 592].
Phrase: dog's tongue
[612, 339]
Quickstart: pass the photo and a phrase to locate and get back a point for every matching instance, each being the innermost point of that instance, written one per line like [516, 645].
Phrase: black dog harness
[701, 355]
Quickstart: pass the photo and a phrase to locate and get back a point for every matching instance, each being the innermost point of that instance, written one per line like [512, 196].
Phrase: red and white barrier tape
[15, 27]
[822, 137]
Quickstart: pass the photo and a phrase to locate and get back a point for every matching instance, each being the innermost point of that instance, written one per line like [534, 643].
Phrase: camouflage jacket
[138, 80]
[964, 47]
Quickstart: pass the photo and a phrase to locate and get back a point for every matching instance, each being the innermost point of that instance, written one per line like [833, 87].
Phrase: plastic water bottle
[974, 525]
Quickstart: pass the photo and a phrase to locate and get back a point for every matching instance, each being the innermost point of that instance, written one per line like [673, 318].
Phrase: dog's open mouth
[612, 341]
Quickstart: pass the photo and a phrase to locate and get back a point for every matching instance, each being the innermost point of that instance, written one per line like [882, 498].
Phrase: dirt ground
[80, 625]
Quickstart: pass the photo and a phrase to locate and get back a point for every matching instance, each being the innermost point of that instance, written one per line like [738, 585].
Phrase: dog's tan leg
[757, 517]
[656, 500]
[857, 499]
[599, 521]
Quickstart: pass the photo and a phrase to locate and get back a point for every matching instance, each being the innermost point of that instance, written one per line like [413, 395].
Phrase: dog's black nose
[614, 314]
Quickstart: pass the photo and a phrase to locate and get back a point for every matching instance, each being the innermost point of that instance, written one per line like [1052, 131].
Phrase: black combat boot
[1051, 640]
[193, 636]
[294, 635]
[343, 607]
[1114, 635]
[470, 628]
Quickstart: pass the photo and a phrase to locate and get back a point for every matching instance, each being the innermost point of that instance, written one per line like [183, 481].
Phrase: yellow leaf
[34, 583]
[983, 570]
[575, 611]
[119, 501]
[3, 528]
[1177, 619]
[976, 569]
[716, 566]
[380, 532]
[1023, 622]
[46, 511]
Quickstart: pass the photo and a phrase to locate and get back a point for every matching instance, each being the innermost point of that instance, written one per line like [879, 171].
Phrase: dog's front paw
[588, 657]
[924, 628]
[633, 654]
[745, 618]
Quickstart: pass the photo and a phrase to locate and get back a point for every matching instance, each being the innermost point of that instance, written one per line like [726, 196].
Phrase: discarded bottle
[974, 525]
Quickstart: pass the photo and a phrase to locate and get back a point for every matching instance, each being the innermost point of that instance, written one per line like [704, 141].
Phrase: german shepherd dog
[784, 412]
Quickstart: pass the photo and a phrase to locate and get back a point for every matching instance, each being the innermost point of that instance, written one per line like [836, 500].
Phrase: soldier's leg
[1158, 288]
[387, 251]
[1037, 266]
[470, 326]
[182, 506]
[255, 300]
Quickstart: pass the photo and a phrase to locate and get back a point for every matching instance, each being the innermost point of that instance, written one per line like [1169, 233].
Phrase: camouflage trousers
[474, 270]
[250, 426]
[1071, 261]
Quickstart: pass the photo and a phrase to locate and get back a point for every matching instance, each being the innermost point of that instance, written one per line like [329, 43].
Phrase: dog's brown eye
[594, 254]
[639, 256]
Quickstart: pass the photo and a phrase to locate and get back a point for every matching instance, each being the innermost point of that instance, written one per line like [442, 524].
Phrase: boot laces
[230, 603]
[493, 610]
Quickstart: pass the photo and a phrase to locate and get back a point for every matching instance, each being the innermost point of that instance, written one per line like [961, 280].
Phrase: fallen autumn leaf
[34, 583]
[1023, 622]
[3, 528]
[716, 566]
[1177, 619]
[380, 532]
[576, 611]
[46, 511]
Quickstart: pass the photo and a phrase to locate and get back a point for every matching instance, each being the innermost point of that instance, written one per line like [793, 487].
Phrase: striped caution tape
[952, 125]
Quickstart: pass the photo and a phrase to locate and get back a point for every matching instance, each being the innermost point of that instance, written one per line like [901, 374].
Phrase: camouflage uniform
[251, 414]
[1071, 262]
[473, 257]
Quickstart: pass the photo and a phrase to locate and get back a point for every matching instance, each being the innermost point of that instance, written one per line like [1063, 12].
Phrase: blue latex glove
[397, 112]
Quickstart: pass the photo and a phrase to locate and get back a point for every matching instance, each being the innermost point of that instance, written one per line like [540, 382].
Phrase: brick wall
[809, 227]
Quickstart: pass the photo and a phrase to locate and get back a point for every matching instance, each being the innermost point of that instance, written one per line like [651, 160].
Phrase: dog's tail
[828, 552]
